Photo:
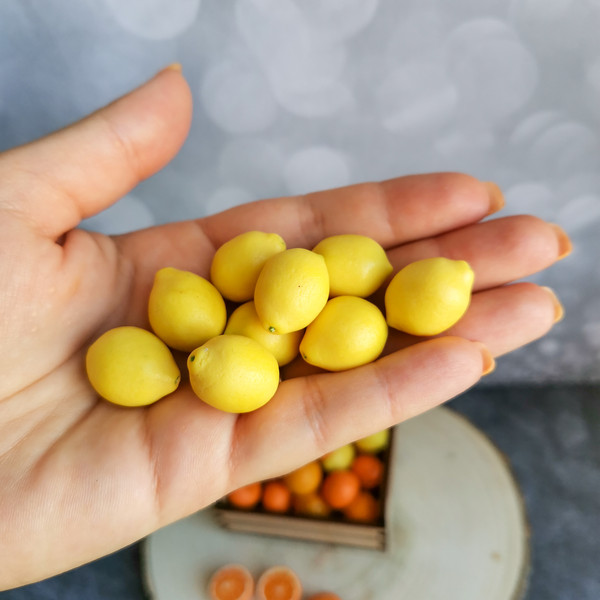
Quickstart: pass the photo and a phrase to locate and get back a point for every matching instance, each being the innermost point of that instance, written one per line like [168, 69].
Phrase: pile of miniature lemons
[282, 302]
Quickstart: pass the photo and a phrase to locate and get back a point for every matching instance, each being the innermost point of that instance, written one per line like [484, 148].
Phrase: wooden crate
[335, 529]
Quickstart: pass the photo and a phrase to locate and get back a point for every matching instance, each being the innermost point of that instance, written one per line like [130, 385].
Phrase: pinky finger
[509, 317]
[312, 415]
[503, 319]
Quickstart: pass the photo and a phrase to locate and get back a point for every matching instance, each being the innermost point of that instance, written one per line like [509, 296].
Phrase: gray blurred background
[299, 95]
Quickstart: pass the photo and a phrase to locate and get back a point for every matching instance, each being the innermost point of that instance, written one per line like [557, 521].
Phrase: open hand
[80, 477]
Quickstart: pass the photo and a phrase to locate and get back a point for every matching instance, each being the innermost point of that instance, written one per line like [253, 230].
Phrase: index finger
[392, 212]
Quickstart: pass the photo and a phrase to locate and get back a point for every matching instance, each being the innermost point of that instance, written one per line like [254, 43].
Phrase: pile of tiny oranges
[344, 484]
[262, 306]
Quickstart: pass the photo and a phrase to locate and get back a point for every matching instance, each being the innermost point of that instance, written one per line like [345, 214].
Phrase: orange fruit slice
[369, 469]
[231, 582]
[276, 497]
[340, 488]
[279, 583]
[324, 596]
[306, 479]
[247, 496]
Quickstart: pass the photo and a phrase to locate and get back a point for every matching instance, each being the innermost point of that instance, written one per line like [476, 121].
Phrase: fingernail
[488, 362]
[559, 311]
[496, 197]
[172, 67]
[565, 247]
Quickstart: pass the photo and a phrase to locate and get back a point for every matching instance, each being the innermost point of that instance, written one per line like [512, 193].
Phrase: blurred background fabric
[293, 96]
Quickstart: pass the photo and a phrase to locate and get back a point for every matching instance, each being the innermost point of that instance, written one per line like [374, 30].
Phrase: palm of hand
[80, 477]
[61, 445]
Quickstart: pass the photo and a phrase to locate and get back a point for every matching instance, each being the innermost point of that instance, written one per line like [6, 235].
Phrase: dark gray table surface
[551, 436]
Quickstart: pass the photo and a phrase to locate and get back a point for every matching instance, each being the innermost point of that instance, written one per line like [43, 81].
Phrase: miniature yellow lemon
[131, 367]
[339, 459]
[237, 263]
[349, 332]
[233, 373]
[357, 264]
[245, 321]
[374, 443]
[185, 310]
[429, 296]
[291, 290]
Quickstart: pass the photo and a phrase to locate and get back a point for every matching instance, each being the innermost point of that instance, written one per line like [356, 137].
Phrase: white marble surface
[296, 95]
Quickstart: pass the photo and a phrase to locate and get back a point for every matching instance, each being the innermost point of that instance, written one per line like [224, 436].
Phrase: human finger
[55, 182]
[392, 212]
[312, 415]
[499, 250]
[503, 319]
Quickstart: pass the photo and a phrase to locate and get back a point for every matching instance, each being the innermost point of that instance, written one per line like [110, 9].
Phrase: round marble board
[457, 529]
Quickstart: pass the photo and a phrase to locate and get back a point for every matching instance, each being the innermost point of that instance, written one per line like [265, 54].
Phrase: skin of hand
[80, 477]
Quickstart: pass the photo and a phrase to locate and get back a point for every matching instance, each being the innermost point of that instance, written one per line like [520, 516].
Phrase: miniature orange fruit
[369, 469]
[231, 582]
[246, 496]
[311, 505]
[306, 479]
[363, 509]
[279, 583]
[276, 497]
[324, 596]
[340, 488]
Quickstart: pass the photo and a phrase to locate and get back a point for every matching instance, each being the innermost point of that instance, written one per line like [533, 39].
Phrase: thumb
[55, 182]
